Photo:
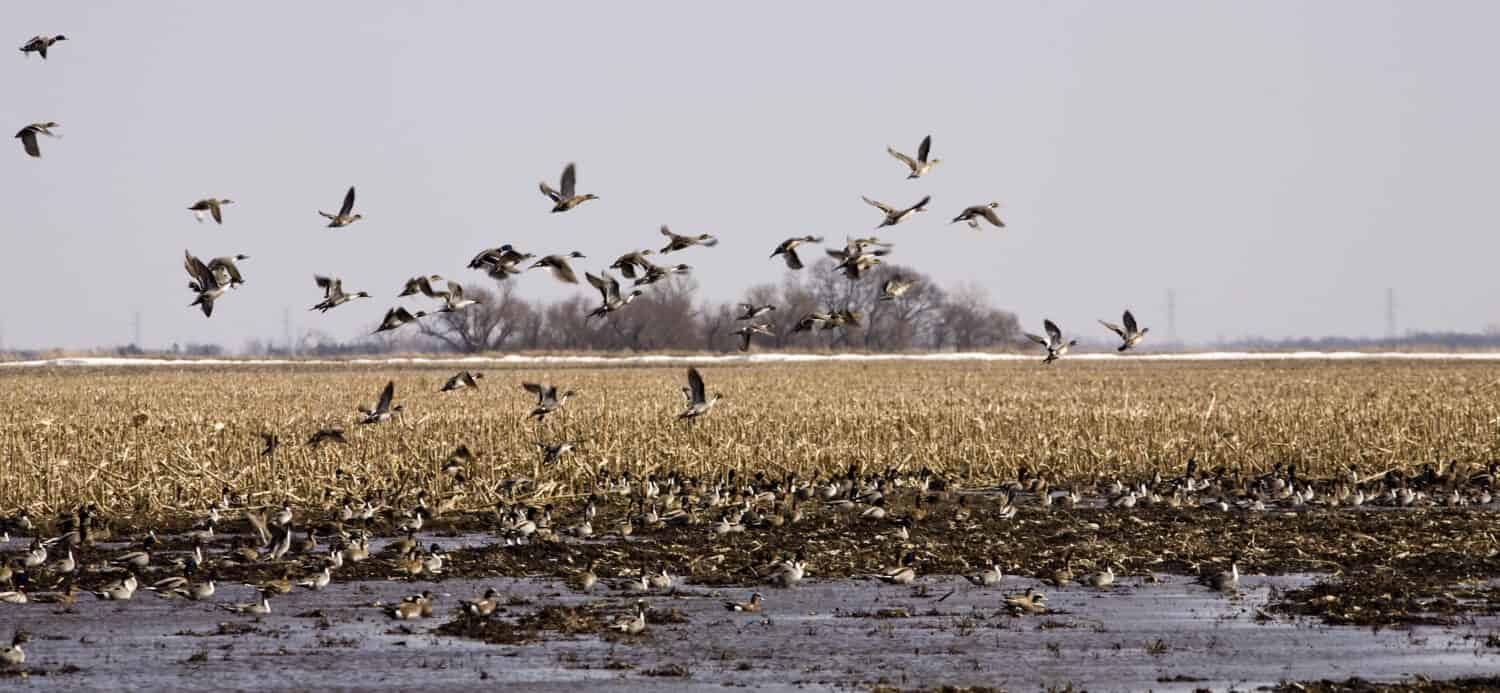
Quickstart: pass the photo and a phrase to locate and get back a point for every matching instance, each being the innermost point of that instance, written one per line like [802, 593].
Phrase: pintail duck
[855, 265]
[40, 44]
[895, 287]
[811, 321]
[749, 607]
[205, 282]
[632, 625]
[584, 580]
[345, 216]
[1130, 335]
[259, 608]
[895, 216]
[15, 596]
[333, 293]
[1053, 343]
[454, 301]
[197, 591]
[483, 606]
[212, 207]
[677, 242]
[120, 590]
[462, 380]
[609, 290]
[559, 266]
[972, 215]
[788, 250]
[751, 311]
[901, 574]
[749, 331]
[226, 269]
[12, 655]
[919, 166]
[788, 573]
[422, 285]
[548, 399]
[698, 402]
[628, 263]
[1222, 580]
[1029, 602]
[988, 577]
[396, 317]
[656, 273]
[564, 198]
[28, 134]
[1100, 580]
[383, 410]
[319, 580]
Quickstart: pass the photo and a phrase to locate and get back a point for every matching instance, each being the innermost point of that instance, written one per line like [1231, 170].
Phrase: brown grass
[69, 435]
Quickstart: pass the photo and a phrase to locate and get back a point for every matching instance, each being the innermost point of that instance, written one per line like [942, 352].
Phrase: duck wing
[1052, 331]
[348, 205]
[386, 396]
[1113, 328]
[569, 179]
[924, 148]
[1130, 322]
[878, 205]
[695, 384]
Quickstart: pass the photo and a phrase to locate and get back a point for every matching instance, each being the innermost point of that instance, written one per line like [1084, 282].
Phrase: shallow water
[1165, 636]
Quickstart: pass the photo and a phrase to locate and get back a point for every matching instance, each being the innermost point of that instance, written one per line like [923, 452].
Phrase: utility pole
[1172, 315]
[1390, 314]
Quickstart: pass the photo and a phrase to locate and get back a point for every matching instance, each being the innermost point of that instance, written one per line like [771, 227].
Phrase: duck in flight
[749, 331]
[40, 44]
[972, 216]
[1053, 343]
[609, 291]
[788, 250]
[559, 266]
[204, 281]
[684, 242]
[383, 410]
[919, 166]
[396, 317]
[1130, 335]
[565, 198]
[211, 207]
[28, 134]
[698, 404]
[333, 293]
[895, 216]
[346, 215]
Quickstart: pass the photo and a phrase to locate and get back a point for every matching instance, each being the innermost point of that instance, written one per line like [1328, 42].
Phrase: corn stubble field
[151, 441]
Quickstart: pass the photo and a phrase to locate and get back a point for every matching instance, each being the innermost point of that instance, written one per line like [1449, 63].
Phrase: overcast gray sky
[1279, 163]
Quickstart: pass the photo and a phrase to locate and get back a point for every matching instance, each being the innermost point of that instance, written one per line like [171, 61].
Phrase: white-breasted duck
[919, 166]
[1130, 334]
[1053, 343]
[346, 215]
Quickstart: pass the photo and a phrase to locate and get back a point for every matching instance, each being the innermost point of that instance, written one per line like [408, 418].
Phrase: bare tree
[487, 326]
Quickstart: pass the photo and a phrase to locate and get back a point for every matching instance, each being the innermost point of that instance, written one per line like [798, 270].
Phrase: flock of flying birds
[210, 281]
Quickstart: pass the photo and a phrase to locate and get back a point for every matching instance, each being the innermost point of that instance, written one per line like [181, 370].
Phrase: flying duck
[40, 44]
[333, 293]
[895, 287]
[895, 216]
[548, 399]
[628, 263]
[609, 290]
[1053, 343]
[383, 410]
[462, 380]
[1130, 335]
[345, 216]
[788, 250]
[204, 281]
[397, 317]
[564, 198]
[678, 242]
[28, 134]
[422, 285]
[212, 207]
[972, 215]
[751, 311]
[559, 266]
[698, 402]
[749, 331]
[919, 166]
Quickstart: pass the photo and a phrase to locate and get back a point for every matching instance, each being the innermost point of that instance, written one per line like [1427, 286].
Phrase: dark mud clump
[1419, 685]
[564, 620]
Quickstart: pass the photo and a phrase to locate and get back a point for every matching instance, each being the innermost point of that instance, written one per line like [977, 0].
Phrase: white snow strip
[668, 360]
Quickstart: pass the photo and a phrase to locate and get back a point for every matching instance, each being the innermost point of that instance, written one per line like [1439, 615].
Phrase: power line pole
[1390, 314]
[1171, 315]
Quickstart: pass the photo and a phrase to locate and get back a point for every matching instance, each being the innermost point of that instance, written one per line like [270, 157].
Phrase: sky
[1278, 164]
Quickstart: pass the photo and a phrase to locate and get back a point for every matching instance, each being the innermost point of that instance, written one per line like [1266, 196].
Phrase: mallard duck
[28, 134]
[40, 44]
[628, 263]
[749, 607]
[204, 281]
[559, 266]
[895, 216]
[1053, 343]
[212, 207]
[919, 166]
[988, 577]
[632, 625]
[972, 215]
[788, 250]
[12, 655]
[751, 311]
[484, 605]
[563, 198]
[609, 290]
[1130, 336]
[677, 242]
[383, 410]
[548, 399]
[396, 317]
[461, 380]
[895, 288]
[345, 216]
[749, 331]
[699, 404]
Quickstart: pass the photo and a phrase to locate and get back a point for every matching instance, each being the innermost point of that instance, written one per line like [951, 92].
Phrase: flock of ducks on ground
[209, 281]
[893, 505]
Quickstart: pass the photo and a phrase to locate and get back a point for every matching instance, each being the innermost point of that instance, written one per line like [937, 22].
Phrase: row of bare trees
[668, 317]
